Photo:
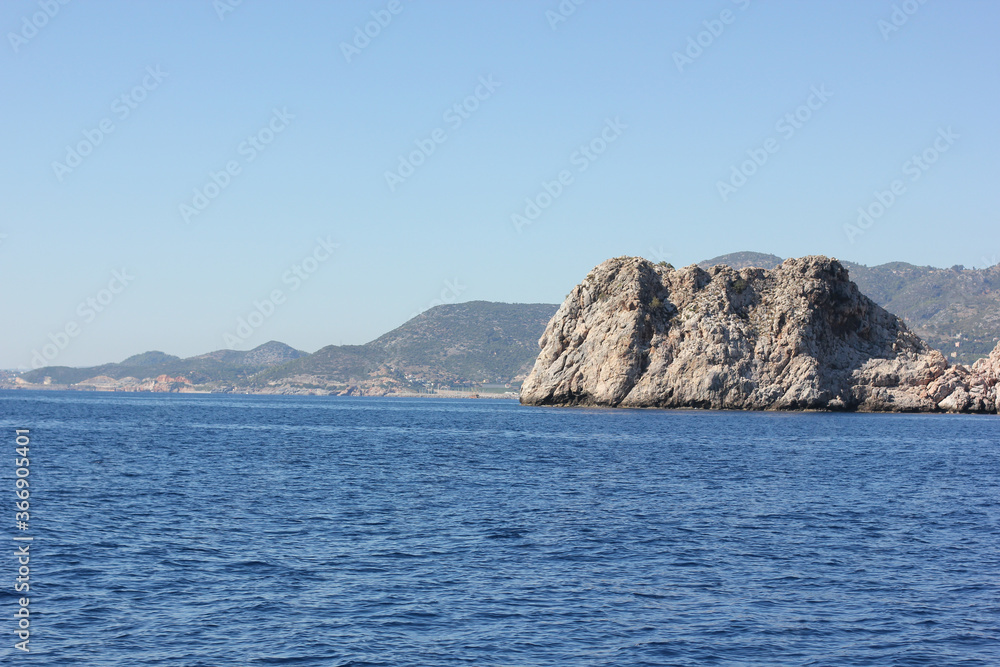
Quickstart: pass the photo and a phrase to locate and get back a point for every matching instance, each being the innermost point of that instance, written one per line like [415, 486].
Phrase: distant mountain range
[744, 260]
[480, 342]
[452, 345]
[230, 366]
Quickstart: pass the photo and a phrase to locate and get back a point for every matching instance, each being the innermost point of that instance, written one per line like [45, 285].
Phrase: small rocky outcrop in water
[799, 336]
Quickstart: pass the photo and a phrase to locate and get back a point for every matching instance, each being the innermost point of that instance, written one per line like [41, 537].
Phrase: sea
[216, 530]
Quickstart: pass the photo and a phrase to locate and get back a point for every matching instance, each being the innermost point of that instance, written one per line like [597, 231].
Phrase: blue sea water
[250, 530]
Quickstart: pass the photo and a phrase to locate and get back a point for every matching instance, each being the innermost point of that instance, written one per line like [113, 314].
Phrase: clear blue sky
[328, 126]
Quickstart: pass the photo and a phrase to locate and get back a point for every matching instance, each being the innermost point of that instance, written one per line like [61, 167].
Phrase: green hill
[153, 358]
[474, 341]
[743, 260]
[462, 343]
[942, 306]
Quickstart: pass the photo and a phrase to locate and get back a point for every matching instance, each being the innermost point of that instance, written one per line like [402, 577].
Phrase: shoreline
[263, 392]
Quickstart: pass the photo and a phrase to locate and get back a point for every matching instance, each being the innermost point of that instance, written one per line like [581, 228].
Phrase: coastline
[269, 391]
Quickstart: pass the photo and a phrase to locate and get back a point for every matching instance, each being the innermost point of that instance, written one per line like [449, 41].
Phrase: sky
[193, 175]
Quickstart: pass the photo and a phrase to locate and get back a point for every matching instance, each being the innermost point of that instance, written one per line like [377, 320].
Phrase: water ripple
[227, 530]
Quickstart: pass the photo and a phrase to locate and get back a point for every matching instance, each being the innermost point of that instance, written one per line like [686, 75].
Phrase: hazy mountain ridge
[219, 366]
[449, 345]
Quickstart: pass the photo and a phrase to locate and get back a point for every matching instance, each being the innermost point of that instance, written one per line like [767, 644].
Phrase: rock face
[796, 337]
[969, 389]
[165, 383]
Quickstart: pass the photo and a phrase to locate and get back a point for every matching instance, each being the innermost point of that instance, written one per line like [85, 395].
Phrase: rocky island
[800, 336]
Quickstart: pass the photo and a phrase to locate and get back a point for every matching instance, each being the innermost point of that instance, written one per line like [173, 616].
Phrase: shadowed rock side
[799, 336]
